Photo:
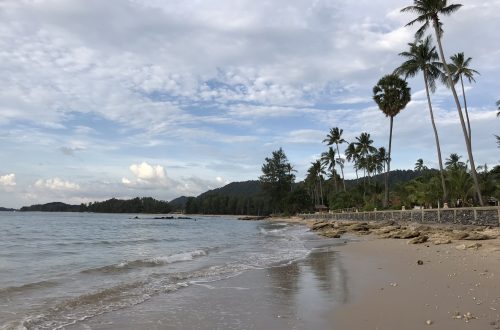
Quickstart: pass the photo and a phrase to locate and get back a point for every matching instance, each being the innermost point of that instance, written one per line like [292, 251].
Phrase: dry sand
[451, 280]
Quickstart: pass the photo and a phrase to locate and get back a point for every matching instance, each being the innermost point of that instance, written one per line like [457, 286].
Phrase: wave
[119, 242]
[27, 287]
[149, 262]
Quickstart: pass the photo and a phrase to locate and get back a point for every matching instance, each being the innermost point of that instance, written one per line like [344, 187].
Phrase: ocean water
[59, 270]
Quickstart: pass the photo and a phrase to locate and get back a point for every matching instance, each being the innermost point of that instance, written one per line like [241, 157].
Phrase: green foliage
[135, 205]
[391, 94]
[277, 178]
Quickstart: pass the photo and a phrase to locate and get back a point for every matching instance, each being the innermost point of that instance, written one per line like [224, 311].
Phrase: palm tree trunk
[466, 112]
[436, 136]
[341, 167]
[461, 116]
[321, 190]
[386, 195]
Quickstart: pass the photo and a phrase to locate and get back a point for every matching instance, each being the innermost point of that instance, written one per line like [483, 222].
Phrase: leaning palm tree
[329, 160]
[459, 68]
[422, 57]
[428, 12]
[335, 137]
[391, 94]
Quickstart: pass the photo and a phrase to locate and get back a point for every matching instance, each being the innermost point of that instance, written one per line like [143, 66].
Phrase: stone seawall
[479, 216]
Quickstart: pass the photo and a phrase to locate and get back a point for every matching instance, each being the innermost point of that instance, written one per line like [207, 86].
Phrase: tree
[277, 178]
[428, 12]
[335, 137]
[422, 57]
[459, 68]
[328, 159]
[316, 171]
[351, 154]
[391, 94]
[453, 162]
[419, 165]
[364, 148]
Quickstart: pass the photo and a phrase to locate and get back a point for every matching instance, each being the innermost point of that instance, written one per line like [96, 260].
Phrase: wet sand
[301, 295]
[368, 283]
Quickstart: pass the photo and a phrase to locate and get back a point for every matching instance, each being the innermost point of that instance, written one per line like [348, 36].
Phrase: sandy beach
[448, 281]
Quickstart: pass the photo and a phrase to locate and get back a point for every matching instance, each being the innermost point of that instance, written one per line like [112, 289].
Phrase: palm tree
[335, 137]
[352, 154]
[383, 157]
[422, 57]
[317, 171]
[328, 159]
[419, 165]
[391, 94]
[459, 68]
[453, 162]
[364, 148]
[428, 12]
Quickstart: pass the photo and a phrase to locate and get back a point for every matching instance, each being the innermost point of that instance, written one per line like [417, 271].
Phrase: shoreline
[424, 279]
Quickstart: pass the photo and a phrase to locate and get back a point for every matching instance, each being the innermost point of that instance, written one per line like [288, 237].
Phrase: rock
[428, 322]
[475, 236]
[419, 240]
[458, 235]
[440, 241]
[319, 225]
[420, 262]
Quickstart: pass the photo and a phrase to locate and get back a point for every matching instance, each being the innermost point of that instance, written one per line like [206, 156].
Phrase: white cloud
[147, 172]
[57, 184]
[8, 180]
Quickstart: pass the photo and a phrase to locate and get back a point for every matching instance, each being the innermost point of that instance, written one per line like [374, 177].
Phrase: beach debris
[466, 317]
[394, 284]
[428, 322]
[420, 262]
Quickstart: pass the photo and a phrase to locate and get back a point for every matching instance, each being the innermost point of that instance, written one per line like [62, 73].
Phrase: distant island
[4, 209]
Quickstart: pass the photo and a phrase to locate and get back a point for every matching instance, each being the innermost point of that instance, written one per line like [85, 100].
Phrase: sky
[163, 98]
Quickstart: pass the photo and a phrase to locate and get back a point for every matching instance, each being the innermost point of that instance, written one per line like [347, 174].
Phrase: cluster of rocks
[416, 233]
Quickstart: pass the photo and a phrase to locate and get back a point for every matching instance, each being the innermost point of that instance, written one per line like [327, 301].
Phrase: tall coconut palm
[422, 57]
[459, 68]
[352, 154]
[364, 148]
[391, 94]
[317, 171]
[428, 12]
[335, 137]
[329, 160]
[383, 157]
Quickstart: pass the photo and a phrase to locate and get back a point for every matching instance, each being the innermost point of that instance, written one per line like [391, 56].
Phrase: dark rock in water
[253, 218]
[184, 218]
[161, 218]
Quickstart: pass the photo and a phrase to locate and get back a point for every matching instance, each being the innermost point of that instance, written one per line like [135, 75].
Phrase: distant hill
[113, 205]
[395, 177]
[237, 189]
[179, 203]
[4, 209]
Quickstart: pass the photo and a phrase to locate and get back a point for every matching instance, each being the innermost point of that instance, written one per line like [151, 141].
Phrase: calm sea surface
[59, 269]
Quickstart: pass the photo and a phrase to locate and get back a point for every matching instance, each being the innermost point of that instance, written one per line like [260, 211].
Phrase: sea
[136, 271]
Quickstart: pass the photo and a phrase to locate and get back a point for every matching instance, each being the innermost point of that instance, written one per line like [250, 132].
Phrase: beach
[267, 274]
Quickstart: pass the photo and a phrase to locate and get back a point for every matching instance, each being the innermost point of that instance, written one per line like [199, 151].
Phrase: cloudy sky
[162, 98]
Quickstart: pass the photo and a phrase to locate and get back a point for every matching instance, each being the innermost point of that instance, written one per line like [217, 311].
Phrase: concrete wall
[479, 216]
